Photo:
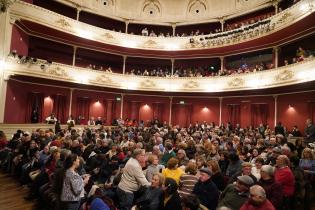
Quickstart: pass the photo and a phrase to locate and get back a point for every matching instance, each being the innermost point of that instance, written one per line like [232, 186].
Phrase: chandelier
[5, 4]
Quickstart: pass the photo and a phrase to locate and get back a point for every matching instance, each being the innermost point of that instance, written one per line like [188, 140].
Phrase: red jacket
[286, 178]
[265, 206]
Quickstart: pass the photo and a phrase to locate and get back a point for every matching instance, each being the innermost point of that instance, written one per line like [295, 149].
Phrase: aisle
[11, 195]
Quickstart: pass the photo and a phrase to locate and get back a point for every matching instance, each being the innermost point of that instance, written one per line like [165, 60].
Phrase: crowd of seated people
[163, 167]
[246, 68]
[301, 55]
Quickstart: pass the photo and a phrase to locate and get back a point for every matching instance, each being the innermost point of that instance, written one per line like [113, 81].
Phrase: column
[124, 64]
[70, 101]
[6, 24]
[78, 13]
[74, 55]
[174, 29]
[276, 56]
[222, 21]
[170, 116]
[121, 105]
[126, 26]
[276, 108]
[173, 62]
[220, 112]
[222, 64]
[276, 6]
[109, 112]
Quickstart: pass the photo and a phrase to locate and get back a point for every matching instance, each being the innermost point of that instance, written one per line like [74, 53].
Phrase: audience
[119, 167]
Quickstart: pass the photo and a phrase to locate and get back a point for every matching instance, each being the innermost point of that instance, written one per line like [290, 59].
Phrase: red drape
[34, 101]
[181, 114]
[158, 111]
[259, 114]
[60, 107]
[234, 114]
[83, 107]
[311, 106]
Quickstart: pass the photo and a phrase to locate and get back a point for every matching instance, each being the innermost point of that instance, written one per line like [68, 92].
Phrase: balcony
[276, 28]
[287, 75]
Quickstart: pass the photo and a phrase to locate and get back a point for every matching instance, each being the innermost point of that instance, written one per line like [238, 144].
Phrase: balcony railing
[287, 75]
[22, 10]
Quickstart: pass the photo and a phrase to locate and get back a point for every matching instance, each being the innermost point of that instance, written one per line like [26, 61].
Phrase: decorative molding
[284, 18]
[150, 44]
[108, 36]
[236, 82]
[191, 85]
[63, 23]
[103, 79]
[57, 71]
[284, 75]
[147, 84]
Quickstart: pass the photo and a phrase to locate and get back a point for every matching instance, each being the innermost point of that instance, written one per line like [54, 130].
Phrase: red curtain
[259, 114]
[311, 106]
[83, 107]
[158, 111]
[34, 101]
[60, 107]
[234, 114]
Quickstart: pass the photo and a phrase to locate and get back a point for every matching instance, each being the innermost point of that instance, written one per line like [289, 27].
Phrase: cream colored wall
[170, 11]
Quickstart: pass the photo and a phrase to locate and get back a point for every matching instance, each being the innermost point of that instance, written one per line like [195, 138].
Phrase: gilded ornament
[191, 85]
[57, 72]
[284, 17]
[284, 75]
[103, 79]
[108, 36]
[147, 84]
[63, 23]
[150, 43]
[236, 82]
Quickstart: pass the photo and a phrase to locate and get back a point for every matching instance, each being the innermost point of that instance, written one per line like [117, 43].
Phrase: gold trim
[63, 23]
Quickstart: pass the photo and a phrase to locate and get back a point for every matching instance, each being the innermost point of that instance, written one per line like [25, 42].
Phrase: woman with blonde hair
[172, 170]
[307, 162]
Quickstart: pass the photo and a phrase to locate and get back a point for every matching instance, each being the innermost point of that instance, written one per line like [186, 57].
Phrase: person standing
[309, 131]
[132, 179]
[73, 184]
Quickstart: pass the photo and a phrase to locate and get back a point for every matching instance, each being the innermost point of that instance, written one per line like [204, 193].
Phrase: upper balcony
[296, 21]
[293, 74]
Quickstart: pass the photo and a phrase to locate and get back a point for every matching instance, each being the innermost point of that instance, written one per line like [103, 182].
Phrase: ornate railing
[287, 75]
[22, 10]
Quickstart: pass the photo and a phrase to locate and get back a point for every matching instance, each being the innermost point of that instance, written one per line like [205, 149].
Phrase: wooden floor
[11, 195]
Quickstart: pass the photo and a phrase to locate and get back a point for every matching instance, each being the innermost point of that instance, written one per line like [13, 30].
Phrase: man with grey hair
[257, 200]
[132, 179]
[272, 188]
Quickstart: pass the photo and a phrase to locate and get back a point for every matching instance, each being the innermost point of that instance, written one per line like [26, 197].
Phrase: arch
[196, 7]
[151, 8]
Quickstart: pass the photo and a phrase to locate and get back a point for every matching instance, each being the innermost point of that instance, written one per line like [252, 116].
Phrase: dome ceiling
[170, 11]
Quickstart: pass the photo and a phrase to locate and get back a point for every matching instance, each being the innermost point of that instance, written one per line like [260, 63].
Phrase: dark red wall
[16, 100]
[19, 41]
[293, 109]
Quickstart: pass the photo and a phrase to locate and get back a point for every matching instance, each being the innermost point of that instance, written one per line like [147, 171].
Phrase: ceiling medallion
[103, 79]
[236, 82]
[191, 85]
[284, 75]
[63, 23]
[56, 72]
[147, 84]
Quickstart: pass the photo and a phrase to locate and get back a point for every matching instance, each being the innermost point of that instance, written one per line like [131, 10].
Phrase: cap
[206, 170]
[246, 180]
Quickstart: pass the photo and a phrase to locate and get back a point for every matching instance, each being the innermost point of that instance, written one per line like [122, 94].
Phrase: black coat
[174, 203]
[208, 194]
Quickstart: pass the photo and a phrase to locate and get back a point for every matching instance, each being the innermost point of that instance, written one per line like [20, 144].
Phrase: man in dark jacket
[206, 190]
[235, 195]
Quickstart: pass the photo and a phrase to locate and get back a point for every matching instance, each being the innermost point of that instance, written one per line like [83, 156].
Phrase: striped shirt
[186, 184]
